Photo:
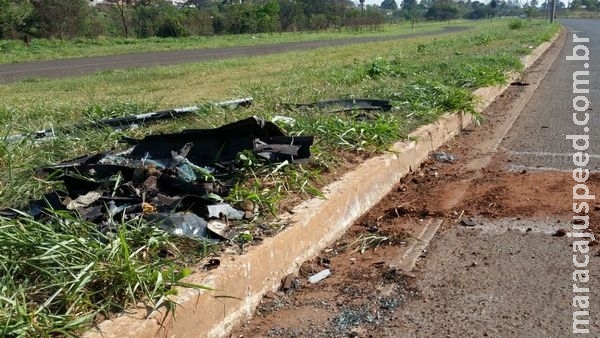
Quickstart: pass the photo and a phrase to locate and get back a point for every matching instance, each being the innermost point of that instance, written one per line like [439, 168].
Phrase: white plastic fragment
[290, 121]
[224, 209]
[319, 276]
[84, 200]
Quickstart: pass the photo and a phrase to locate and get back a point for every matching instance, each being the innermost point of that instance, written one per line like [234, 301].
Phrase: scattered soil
[445, 191]
[365, 290]
[336, 305]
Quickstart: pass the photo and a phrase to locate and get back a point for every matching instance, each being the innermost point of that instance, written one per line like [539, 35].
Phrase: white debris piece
[84, 200]
[319, 276]
[290, 121]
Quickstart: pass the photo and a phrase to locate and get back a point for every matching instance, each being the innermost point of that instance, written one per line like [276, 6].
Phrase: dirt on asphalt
[365, 294]
[446, 295]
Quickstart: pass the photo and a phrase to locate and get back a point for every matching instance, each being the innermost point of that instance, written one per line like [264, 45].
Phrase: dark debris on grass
[178, 181]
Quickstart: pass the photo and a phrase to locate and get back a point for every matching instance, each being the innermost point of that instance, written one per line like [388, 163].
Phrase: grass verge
[60, 275]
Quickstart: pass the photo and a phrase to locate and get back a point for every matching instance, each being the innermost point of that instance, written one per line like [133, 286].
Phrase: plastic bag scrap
[176, 181]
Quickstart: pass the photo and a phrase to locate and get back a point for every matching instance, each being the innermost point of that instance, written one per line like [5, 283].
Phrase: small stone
[468, 222]
[408, 274]
[213, 263]
[248, 205]
[271, 295]
[288, 282]
[560, 233]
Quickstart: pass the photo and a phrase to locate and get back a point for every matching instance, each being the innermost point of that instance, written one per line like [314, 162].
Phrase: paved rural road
[508, 276]
[537, 141]
[80, 66]
[509, 272]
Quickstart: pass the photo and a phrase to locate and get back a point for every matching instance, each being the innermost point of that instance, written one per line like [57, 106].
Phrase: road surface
[537, 141]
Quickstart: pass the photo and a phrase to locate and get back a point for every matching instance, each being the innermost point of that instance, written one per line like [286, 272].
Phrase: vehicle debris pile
[176, 181]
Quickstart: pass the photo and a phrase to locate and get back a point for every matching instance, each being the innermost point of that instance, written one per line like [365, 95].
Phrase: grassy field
[13, 51]
[50, 283]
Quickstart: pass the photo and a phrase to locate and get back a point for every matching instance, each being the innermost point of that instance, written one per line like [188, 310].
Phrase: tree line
[67, 19]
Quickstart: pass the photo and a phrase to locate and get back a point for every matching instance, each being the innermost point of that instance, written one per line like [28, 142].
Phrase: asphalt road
[489, 281]
[509, 277]
[537, 140]
[87, 65]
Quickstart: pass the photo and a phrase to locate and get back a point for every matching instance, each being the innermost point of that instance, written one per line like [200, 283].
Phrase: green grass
[51, 271]
[61, 274]
[13, 51]
[515, 24]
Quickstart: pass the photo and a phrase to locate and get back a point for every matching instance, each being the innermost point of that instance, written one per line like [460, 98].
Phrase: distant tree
[478, 10]
[409, 4]
[493, 5]
[199, 3]
[249, 22]
[413, 11]
[146, 17]
[268, 17]
[197, 21]
[390, 5]
[62, 19]
[572, 5]
[413, 16]
[318, 22]
[241, 18]
[443, 10]
[534, 3]
[14, 15]
[426, 4]
[291, 15]
[122, 7]
[170, 21]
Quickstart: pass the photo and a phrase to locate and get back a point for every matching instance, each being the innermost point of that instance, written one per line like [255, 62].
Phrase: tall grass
[59, 275]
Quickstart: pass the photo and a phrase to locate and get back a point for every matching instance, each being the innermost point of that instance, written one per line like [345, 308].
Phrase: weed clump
[515, 24]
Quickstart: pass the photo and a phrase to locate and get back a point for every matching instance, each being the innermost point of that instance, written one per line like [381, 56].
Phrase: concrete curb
[241, 281]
